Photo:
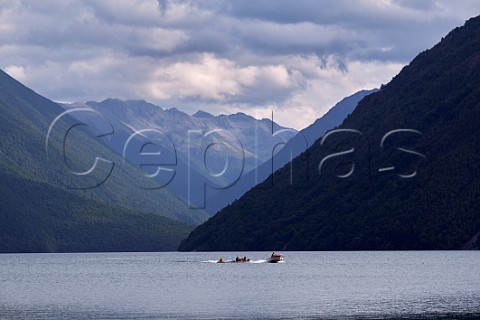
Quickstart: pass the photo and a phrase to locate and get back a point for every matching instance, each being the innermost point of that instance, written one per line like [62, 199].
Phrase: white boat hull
[275, 259]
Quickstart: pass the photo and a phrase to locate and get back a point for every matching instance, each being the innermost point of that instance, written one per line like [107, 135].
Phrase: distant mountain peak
[111, 100]
[242, 115]
[202, 114]
[174, 110]
[238, 116]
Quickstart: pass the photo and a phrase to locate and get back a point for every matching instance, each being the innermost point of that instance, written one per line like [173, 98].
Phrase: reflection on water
[308, 285]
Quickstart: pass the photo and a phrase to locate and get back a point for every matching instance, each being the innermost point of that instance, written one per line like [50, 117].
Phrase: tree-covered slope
[437, 98]
[36, 217]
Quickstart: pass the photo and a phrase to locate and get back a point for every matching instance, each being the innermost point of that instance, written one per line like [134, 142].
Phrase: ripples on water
[308, 285]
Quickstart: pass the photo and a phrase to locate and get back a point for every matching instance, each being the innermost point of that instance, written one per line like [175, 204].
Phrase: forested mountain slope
[409, 189]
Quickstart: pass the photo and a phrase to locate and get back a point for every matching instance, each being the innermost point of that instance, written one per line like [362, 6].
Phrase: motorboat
[274, 258]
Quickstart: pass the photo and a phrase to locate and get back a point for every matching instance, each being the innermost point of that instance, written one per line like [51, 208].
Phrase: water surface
[308, 285]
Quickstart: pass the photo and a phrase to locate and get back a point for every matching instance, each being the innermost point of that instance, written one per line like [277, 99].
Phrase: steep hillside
[25, 118]
[408, 189]
[45, 206]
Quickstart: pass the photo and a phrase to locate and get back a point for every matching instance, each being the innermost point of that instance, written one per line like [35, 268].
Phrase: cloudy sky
[296, 58]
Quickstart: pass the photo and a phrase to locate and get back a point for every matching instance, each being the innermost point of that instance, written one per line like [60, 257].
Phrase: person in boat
[220, 260]
[273, 254]
[237, 259]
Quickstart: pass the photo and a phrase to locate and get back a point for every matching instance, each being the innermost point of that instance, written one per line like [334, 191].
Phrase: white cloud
[213, 78]
[330, 85]
[324, 85]
[16, 72]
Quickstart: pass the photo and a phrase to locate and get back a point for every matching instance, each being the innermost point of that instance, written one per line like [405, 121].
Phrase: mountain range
[237, 143]
[401, 172]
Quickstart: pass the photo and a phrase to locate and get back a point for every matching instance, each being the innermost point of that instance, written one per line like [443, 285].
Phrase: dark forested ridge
[36, 217]
[437, 97]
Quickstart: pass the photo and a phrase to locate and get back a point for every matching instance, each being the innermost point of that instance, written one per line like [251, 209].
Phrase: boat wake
[239, 262]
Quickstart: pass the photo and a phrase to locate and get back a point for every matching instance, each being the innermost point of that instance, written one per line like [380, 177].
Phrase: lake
[307, 285]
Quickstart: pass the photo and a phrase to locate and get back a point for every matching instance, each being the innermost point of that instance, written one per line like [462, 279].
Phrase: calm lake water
[308, 285]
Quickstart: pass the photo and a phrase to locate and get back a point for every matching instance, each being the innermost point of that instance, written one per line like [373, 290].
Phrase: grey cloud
[403, 26]
[90, 50]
